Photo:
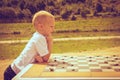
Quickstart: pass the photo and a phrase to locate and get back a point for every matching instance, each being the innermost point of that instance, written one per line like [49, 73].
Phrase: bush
[99, 8]
[1, 3]
[84, 13]
[41, 6]
[14, 2]
[7, 13]
[32, 8]
[66, 15]
[73, 17]
[20, 15]
[27, 13]
[22, 5]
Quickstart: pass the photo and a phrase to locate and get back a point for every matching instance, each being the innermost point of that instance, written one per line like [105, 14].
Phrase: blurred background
[23, 10]
[74, 19]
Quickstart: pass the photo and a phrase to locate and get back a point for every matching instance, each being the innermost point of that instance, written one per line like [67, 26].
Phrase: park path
[64, 39]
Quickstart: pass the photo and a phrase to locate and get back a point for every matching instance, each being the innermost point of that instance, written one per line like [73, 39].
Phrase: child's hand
[38, 59]
[48, 36]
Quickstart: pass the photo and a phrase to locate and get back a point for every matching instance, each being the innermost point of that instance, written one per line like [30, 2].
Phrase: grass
[13, 50]
[84, 34]
[89, 24]
[62, 35]
[84, 26]
[84, 45]
[10, 51]
[7, 30]
[89, 27]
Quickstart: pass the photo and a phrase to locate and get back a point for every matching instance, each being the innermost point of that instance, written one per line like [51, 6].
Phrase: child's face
[48, 28]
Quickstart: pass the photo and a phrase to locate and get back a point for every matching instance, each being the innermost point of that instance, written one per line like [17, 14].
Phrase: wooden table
[36, 72]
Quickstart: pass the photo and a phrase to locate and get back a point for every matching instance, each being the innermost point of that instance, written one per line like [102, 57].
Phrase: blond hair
[41, 17]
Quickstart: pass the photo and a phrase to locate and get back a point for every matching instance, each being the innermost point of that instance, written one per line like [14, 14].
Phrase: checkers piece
[83, 64]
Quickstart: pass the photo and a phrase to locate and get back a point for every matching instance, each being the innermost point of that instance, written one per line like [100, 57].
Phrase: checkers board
[73, 66]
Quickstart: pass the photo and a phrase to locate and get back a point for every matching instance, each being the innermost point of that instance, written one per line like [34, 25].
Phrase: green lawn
[89, 27]
[62, 35]
[90, 24]
[13, 50]
[86, 34]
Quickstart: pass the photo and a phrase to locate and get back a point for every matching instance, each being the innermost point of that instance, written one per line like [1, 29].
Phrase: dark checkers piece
[117, 58]
[51, 70]
[73, 69]
[71, 57]
[90, 57]
[84, 64]
[114, 55]
[64, 62]
[117, 70]
[111, 60]
[115, 64]
[71, 65]
[55, 60]
[63, 67]
[105, 67]
[107, 57]
[105, 62]
[90, 60]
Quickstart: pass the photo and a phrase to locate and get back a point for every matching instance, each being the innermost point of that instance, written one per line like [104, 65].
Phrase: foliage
[7, 13]
[25, 9]
[86, 27]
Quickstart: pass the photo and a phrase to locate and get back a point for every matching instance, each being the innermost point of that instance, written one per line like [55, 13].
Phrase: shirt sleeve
[41, 46]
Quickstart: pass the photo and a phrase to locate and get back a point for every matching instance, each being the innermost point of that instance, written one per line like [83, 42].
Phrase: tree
[73, 17]
[83, 1]
[68, 1]
[14, 2]
[1, 3]
[78, 11]
[41, 6]
[7, 13]
[32, 8]
[84, 13]
[20, 15]
[99, 7]
[27, 13]
[63, 3]
[51, 3]
[66, 14]
[22, 5]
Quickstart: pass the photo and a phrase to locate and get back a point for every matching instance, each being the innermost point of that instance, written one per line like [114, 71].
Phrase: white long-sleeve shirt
[36, 45]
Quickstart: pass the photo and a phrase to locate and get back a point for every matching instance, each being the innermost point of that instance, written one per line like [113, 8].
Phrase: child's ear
[40, 25]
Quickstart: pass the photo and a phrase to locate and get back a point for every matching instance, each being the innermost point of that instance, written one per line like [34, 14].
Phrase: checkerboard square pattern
[83, 64]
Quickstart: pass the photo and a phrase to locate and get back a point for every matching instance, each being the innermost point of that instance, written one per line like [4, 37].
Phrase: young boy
[38, 48]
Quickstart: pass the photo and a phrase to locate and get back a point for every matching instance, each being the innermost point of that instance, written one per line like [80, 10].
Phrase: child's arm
[49, 45]
[42, 59]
